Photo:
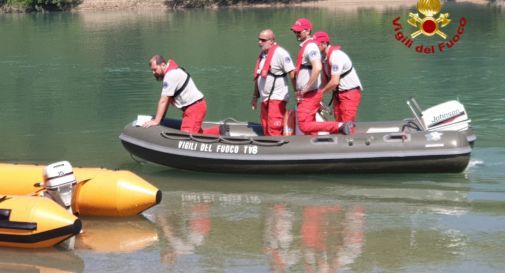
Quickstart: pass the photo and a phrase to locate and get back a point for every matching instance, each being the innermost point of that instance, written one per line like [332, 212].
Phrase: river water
[71, 81]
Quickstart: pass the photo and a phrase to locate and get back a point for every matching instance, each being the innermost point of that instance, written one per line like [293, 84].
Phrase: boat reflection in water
[116, 235]
[186, 230]
[331, 238]
[185, 239]
[284, 233]
[48, 261]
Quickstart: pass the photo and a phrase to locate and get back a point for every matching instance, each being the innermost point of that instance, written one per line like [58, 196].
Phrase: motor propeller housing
[59, 183]
[447, 116]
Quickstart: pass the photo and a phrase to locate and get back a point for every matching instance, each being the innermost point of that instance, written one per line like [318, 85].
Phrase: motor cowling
[447, 116]
[59, 183]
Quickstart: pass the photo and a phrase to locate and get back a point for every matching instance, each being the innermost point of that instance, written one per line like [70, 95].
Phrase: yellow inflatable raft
[34, 222]
[99, 192]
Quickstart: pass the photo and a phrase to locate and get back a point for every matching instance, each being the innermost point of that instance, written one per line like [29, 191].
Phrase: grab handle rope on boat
[235, 140]
[186, 136]
[269, 142]
[205, 139]
[176, 135]
[223, 139]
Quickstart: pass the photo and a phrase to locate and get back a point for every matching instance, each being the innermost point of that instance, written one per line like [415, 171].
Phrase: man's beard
[158, 77]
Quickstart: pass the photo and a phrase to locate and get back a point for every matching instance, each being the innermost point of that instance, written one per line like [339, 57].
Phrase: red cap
[302, 24]
[321, 37]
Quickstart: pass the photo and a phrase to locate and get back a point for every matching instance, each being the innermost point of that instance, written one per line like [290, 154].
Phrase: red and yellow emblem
[428, 25]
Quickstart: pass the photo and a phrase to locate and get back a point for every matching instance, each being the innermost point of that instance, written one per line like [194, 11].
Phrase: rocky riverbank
[164, 4]
[169, 4]
[97, 5]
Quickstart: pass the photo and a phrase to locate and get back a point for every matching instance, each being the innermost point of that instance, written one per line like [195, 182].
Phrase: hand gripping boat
[94, 191]
[436, 140]
[35, 222]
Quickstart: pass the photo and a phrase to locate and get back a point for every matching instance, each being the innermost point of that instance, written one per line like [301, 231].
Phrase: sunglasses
[263, 40]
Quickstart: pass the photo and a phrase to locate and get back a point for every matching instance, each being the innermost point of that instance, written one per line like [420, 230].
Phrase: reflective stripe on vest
[300, 57]
[172, 66]
[266, 66]
[327, 73]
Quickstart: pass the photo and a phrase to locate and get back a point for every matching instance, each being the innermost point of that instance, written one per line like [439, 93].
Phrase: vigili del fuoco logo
[430, 25]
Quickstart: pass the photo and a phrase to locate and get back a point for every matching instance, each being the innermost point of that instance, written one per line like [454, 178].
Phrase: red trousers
[192, 117]
[272, 115]
[306, 113]
[345, 104]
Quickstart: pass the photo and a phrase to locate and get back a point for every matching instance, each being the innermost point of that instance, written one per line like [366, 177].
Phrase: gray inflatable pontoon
[435, 140]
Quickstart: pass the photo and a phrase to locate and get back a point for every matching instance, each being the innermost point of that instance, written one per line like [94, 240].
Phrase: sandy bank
[89, 5]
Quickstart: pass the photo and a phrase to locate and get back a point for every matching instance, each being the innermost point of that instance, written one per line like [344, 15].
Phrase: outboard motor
[59, 183]
[447, 116]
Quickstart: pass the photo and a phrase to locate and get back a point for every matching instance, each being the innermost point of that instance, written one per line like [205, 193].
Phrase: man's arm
[332, 84]
[314, 74]
[256, 95]
[160, 112]
[292, 77]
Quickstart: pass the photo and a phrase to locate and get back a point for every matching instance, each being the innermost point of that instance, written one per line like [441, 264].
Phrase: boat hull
[443, 163]
[35, 222]
[246, 152]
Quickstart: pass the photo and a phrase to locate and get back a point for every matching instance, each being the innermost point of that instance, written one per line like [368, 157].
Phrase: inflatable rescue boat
[35, 222]
[438, 139]
[94, 191]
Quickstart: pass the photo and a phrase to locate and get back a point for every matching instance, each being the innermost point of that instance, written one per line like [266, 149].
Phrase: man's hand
[150, 123]
[299, 95]
[254, 101]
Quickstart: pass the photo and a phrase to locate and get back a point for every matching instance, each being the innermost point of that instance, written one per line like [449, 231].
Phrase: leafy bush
[56, 5]
[34, 5]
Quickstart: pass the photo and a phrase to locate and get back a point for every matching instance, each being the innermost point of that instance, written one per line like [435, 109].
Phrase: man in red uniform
[270, 82]
[308, 83]
[340, 77]
[180, 90]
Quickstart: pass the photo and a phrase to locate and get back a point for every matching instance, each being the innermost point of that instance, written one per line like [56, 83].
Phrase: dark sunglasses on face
[263, 40]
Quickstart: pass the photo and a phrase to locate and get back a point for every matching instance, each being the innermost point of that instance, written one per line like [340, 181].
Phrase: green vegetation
[222, 3]
[58, 5]
[37, 5]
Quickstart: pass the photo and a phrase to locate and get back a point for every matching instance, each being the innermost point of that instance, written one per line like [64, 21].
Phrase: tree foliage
[56, 5]
[221, 3]
[39, 5]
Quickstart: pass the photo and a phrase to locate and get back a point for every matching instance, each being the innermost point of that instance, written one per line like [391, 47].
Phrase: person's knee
[191, 127]
[304, 126]
[276, 124]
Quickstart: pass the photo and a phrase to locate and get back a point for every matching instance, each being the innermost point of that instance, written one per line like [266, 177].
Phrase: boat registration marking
[217, 148]
[434, 145]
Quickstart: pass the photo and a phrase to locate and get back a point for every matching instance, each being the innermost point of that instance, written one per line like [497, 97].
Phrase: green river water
[71, 81]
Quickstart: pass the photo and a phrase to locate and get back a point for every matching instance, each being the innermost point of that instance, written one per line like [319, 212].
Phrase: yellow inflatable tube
[99, 192]
[34, 222]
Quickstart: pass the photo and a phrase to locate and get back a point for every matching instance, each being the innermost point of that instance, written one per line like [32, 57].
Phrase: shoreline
[95, 5]
[139, 5]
